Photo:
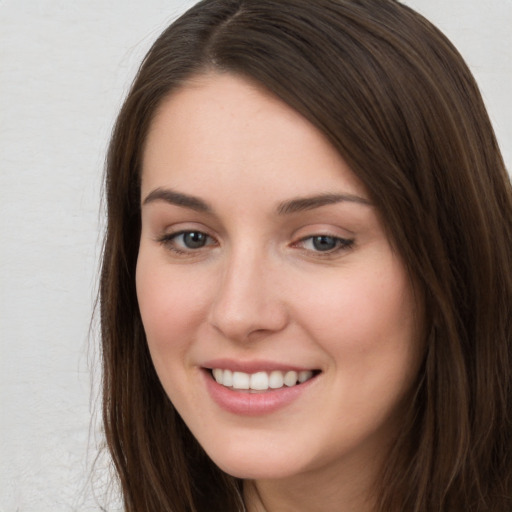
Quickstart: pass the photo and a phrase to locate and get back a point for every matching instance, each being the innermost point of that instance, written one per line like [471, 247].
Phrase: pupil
[324, 243]
[194, 240]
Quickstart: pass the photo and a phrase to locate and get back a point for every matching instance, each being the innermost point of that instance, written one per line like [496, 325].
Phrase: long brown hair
[396, 99]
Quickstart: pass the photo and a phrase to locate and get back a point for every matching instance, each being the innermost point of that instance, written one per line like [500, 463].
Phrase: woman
[306, 280]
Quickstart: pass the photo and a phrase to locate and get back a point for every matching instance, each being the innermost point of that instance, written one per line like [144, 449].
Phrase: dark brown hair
[397, 101]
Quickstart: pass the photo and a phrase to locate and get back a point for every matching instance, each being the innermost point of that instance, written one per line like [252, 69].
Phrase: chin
[247, 465]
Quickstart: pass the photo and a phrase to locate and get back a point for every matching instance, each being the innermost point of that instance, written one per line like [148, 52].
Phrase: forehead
[224, 129]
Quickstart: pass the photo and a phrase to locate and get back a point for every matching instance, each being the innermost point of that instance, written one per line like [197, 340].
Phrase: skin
[259, 289]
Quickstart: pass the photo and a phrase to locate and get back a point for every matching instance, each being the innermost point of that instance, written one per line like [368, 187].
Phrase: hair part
[396, 100]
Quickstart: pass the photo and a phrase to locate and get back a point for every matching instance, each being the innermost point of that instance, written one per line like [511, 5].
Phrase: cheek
[368, 322]
[371, 333]
[358, 307]
[171, 305]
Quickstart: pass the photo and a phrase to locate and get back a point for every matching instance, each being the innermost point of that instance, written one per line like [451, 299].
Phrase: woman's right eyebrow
[177, 198]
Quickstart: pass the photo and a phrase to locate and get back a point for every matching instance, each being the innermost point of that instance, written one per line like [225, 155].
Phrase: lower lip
[245, 403]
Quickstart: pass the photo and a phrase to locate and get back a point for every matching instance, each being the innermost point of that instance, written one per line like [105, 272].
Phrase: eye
[192, 239]
[187, 241]
[325, 243]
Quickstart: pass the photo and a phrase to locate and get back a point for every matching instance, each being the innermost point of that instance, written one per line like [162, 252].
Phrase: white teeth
[290, 379]
[241, 380]
[227, 378]
[218, 374]
[260, 381]
[305, 375]
[276, 380]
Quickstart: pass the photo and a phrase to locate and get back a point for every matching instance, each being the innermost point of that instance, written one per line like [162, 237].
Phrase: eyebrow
[309, 203]
[285, 208]
[178, 199]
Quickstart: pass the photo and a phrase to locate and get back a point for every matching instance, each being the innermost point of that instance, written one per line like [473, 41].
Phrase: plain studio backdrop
[64, 69]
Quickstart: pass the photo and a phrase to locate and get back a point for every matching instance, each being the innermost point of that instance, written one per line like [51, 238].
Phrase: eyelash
[341, 244]
[169, 240]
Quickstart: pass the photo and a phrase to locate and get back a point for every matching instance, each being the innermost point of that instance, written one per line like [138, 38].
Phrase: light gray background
[64, 69]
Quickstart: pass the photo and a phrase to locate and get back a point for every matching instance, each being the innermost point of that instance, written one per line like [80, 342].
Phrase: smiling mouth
[261, 381]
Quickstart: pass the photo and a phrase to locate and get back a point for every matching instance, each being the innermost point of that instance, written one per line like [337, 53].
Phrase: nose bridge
[248, 298]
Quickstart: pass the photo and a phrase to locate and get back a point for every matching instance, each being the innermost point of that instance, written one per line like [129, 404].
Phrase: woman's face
[263, 264]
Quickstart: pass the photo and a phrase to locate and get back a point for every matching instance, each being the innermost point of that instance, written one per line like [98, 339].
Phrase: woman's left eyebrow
[309, 203]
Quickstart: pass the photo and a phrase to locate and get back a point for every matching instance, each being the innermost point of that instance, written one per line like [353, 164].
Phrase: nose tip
[248, 304]
[242, 322]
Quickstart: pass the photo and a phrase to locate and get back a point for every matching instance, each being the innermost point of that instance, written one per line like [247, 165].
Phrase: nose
[249, 302]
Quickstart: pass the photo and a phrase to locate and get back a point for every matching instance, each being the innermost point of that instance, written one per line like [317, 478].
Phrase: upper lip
[253, 366]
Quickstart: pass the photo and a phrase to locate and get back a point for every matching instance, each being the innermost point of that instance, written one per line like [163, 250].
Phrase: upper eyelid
[175, 234]
[329, 227]
[348, 241]
[319, 232]
[295, 241]
[185, 227]
[331, 235]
